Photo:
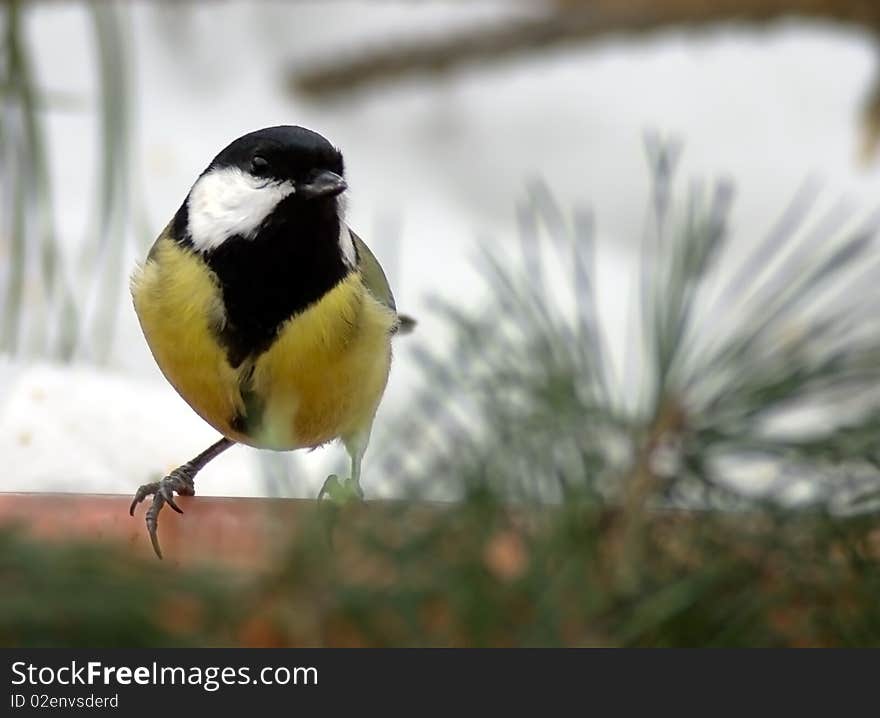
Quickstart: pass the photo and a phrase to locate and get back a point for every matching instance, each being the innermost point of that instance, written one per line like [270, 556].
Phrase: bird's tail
[405, 324]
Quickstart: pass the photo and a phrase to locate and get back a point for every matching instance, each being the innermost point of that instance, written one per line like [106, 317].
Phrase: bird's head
[277, 169]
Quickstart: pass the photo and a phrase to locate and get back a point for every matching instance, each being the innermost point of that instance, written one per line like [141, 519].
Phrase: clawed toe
[181, 481]
[141, 494]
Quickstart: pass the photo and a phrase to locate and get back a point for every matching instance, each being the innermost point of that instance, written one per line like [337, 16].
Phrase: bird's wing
[372, 273]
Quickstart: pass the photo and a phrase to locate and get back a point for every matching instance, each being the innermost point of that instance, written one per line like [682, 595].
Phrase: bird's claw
[341, 491]
[181, 481]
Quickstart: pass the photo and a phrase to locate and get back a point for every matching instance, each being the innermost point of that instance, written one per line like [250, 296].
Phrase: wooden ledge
[239, 532]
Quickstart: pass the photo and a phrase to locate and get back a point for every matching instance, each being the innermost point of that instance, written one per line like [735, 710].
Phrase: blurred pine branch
[741, 361]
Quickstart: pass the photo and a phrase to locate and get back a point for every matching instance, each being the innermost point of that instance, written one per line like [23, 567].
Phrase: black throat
[289, 265]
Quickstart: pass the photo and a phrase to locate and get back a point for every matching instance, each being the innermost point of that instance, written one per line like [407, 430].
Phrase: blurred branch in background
[44, 294]
[748, 376]
[556, 23]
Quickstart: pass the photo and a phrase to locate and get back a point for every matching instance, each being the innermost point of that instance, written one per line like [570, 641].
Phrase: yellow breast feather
[321, 378]
[324, 375]
[179, 306]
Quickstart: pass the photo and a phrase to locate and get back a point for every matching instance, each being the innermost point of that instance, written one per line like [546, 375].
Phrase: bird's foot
[181, 480]
[342, 491]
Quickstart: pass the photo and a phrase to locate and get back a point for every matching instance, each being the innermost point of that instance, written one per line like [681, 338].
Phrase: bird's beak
[323, 184]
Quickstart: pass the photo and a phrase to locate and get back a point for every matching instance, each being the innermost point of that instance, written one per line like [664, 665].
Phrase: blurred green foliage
[84, 595]
[476, 573]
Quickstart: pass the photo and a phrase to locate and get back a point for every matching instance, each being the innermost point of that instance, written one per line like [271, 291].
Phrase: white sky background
[446, 158]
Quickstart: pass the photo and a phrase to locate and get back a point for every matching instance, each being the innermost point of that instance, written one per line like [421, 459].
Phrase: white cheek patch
[227, 202]
[346, 245]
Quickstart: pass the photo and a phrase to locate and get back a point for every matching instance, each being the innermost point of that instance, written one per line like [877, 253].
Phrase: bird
[268, 315]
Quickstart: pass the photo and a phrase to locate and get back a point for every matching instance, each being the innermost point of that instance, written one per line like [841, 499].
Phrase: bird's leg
[180, 480]
[345, 490]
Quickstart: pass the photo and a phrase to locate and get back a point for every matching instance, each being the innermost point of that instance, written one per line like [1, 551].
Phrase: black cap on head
[286, 152]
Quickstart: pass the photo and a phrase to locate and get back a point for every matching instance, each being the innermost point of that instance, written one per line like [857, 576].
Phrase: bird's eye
[259, 163]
